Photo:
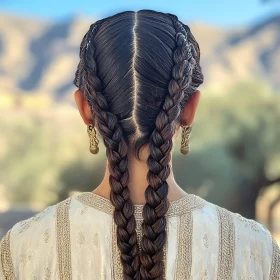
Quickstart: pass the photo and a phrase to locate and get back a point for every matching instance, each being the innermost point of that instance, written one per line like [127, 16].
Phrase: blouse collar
[176, 207]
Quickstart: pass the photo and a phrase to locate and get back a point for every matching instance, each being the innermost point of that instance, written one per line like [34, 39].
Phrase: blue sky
[218, 12]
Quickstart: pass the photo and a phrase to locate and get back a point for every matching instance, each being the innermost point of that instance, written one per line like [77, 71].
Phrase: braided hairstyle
[137, 71]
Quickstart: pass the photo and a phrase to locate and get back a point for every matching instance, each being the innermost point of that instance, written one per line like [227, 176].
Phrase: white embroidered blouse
[75, 239]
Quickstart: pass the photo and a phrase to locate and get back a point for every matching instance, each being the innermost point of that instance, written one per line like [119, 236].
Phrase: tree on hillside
[236, 151]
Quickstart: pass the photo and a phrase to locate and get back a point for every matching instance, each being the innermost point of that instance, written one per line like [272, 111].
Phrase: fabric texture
[76, 239]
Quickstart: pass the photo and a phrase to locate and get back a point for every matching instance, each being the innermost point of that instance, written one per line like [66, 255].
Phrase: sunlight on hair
[135, 92]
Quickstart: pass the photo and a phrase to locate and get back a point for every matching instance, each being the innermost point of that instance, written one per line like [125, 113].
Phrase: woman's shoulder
[45, 224]
[26, 237]
[35, 236]
[34, 224]
[234, 225]
[224, 219]
[52, 217]
[241, 241]
[30, 229]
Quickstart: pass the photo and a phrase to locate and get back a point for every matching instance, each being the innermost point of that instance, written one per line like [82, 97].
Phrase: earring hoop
[93, 140]
[185, 143]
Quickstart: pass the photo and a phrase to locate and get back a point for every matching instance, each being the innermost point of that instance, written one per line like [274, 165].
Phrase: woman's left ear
[190, 109]
[83, 107]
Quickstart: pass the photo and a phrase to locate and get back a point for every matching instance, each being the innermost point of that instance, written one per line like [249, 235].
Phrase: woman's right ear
[83, 106]
[190, 109]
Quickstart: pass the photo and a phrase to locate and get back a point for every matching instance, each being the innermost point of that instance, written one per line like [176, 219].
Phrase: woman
[137, 84]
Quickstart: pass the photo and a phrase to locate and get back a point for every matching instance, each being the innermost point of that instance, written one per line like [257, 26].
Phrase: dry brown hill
[40, 57]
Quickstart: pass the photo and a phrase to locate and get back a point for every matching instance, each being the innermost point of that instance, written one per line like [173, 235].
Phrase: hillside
[40, 57]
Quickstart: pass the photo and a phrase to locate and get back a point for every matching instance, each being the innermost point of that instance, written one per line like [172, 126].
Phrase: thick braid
[161, 143]
[116, 150]
[197, 77]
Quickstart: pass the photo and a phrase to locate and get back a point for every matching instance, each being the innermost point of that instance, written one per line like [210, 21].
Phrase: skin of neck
[138, 183]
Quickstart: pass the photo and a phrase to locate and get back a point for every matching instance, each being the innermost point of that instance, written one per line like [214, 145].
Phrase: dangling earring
[93, 147]
[185, 145]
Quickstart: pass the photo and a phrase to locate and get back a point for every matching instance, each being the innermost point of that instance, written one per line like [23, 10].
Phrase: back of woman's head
[137, 71]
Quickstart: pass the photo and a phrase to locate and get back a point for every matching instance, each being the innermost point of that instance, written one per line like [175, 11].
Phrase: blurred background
[235, 144]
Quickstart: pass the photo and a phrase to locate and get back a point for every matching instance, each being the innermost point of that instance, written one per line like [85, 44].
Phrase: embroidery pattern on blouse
[117, 266]
[226, 243]
[275, 265]
[24, 258]
[204, 275]
[177, 207]
[95, 240]
[63, 240]
[6, 258]
[46, 236]
[25, 224]
[47, 273]
[248, 222]
[116, 258]
[81, 238]
[165, 249]
[205, 240]
[184, 254]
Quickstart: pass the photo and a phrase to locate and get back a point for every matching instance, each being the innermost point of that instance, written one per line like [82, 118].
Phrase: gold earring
[185, 143]
[93, 147]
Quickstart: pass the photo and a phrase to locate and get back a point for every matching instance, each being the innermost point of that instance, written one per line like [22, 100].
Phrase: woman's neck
[138, 182]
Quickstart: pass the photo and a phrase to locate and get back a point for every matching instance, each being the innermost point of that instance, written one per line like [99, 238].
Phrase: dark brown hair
[137, 70]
